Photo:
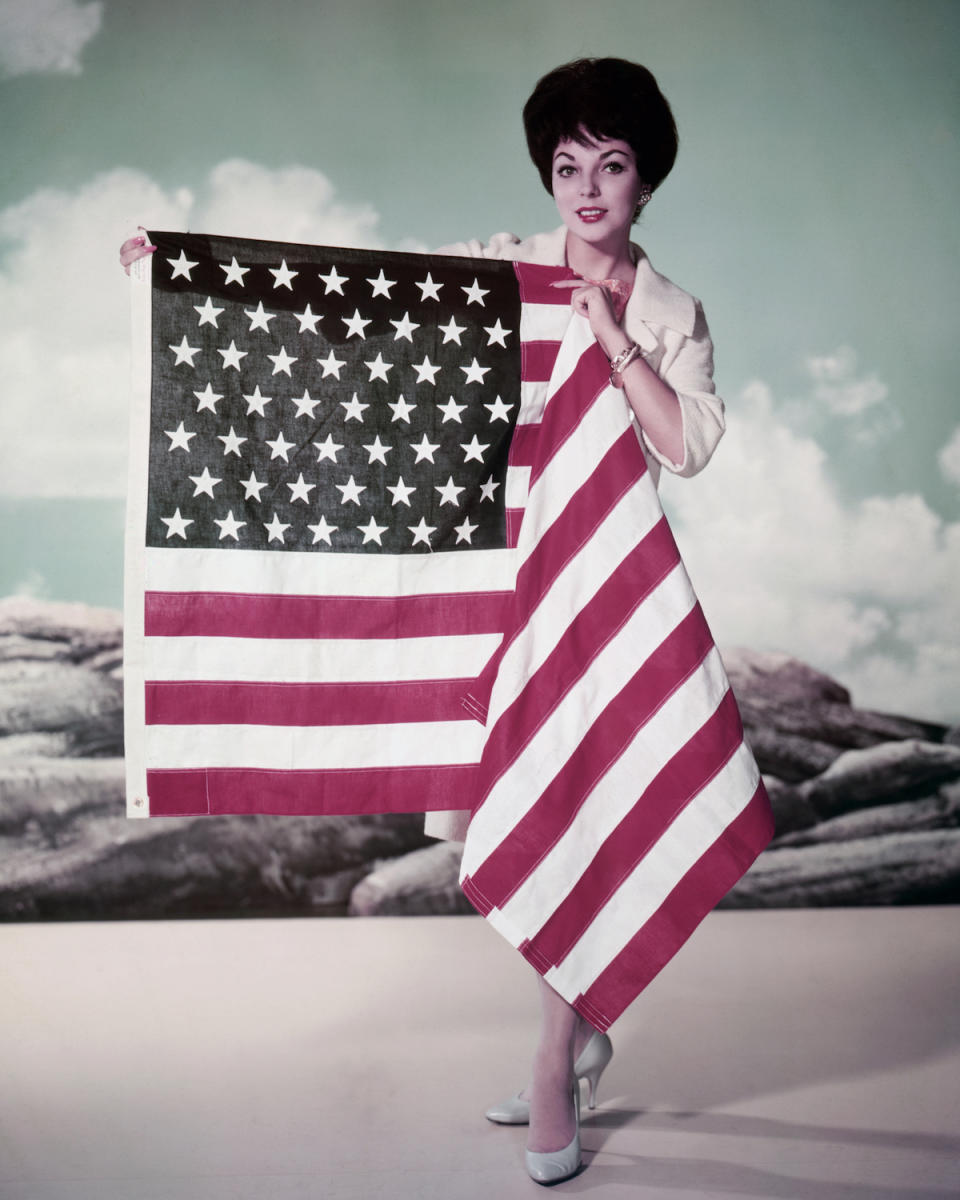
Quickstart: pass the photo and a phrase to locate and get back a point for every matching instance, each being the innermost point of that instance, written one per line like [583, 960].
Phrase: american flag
[393, 546]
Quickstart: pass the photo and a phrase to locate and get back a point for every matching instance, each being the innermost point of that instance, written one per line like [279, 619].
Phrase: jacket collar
[654, 299]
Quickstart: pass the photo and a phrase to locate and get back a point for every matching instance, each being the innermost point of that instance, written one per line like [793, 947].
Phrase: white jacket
[667, 323]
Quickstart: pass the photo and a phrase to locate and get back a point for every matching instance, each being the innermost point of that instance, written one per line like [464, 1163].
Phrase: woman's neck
[600, 261]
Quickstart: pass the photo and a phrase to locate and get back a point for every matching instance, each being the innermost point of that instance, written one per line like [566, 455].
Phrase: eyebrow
[605, 154]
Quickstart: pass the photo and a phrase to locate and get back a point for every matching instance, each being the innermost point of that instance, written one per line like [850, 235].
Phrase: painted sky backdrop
[813, 209]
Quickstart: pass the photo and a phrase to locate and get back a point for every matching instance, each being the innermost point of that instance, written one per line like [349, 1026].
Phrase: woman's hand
[134, 248]
[593, 301]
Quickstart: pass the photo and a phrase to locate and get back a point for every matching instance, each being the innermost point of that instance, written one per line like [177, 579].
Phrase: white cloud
[864, 590]
[64, 324]
[949, 459]
[45, 36]
[840, 393]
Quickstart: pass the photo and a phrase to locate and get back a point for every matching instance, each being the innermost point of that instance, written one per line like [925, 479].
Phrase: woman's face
[596, 188]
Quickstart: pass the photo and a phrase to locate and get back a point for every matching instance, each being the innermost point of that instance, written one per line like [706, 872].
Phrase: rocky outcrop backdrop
[867, 805]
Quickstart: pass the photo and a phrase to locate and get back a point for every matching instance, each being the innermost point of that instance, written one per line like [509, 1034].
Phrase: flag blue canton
[329, 400]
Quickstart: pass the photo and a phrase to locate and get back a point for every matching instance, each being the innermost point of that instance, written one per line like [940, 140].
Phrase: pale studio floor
[780, 1055]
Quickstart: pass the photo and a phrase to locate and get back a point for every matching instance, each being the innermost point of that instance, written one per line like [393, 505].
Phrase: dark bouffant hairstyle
[609, 98]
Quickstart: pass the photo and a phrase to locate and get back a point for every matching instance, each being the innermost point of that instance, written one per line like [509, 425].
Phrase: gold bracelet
[622, 360]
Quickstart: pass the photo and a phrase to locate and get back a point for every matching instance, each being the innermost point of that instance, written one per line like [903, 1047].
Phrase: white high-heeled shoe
[590, 1065]
[553, 1166]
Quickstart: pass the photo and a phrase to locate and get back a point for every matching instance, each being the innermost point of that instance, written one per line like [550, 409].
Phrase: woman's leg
[563, 1034]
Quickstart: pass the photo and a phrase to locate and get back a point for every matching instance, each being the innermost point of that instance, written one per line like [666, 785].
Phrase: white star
[451, 410]
[229, 526]
[401, 491]
[234, 273]
[208, 313]
[449, 493]
[372, 531]
[498, 410]
[475, 293]
[404, 328]
[401, 409]
[253, 487]
[487, 489]
[275, 528]
[321, 531]
[308, 322]
[282, 275]
[452, 331]
[181, 266]
[355, 324]
[231, 442]
[378, 368]
[333, 282]
[464, 531]
[177, 525]
[301, 490]
[425, 371]
[280, 446]
[256, 402]
[231, 356]
[328, 449]
[354, 408]
[305, 405]
[496, 334]
[428, 289]
[351, 491]
[473, 450]
[474, 373]
[184, 352]
[421, 532]
[259, 317]
[207, 399]
[424, 450]
[331, 365]
[381, 285]
[179, 438]
[378, 451]
[281, 361]
[204, 483]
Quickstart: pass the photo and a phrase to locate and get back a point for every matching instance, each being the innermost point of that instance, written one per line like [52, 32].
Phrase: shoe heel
[592, 1063]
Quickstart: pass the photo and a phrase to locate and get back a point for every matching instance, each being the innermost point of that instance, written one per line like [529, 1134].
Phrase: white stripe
[616, 793]
[544, 322]
[690, 836]
[305, 748]
[307, 660]
[533, 397]
[518, 485]
[299, 573]
[575, 585]
[515, 792]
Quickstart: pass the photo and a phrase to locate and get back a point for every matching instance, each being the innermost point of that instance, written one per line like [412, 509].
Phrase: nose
[588, 184]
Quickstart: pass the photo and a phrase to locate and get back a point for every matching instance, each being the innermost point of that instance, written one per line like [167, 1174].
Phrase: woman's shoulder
[660, 301]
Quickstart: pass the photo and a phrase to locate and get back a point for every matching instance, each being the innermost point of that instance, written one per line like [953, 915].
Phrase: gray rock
[881, 774]
[107, 867]
[87, 630]
[55, 791]
[790, 810]
[424, 882]
[901, 868]
[51, 697]
[787, 756]
[940, 811]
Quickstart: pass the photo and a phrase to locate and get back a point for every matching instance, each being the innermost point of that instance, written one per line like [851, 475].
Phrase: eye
[615, 167]
[564, 170]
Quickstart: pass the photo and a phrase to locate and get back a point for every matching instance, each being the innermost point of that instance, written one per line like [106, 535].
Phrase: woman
[603, 138]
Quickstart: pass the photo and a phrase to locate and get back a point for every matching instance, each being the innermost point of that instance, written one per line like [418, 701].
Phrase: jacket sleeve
[687, 366]
[499, 246]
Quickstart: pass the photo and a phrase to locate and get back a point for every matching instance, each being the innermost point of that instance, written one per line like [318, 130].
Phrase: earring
[646, 191]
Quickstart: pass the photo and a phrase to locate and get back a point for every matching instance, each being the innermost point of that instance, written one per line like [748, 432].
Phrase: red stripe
[569, 405]
[586, 509]
[699, 891]
[212, 792]
[524, 444]
[227, 614]
[321, 704]
[522, 848]
[676, 785]
[534, 282]
[536, 361]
